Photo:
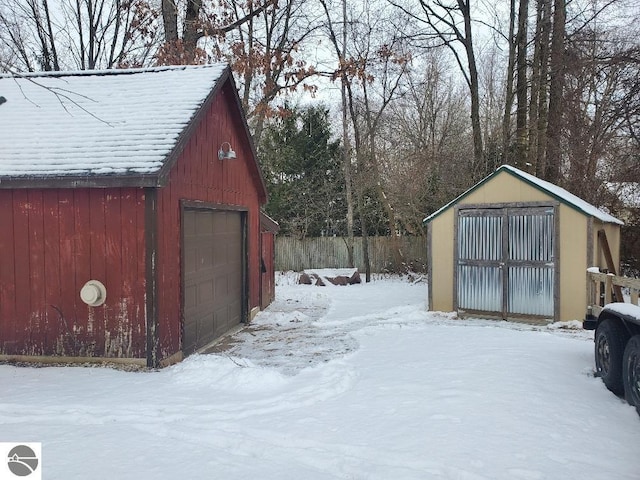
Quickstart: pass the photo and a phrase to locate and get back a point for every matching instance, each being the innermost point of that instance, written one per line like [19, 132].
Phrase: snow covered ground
[355, 382]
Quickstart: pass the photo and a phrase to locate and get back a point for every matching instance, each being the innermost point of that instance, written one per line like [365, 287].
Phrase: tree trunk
[508, 104]
[345, 136]
[346, 160]
[539, 107]
[521, 86]
[535, 91]
[191, 34]
[554, 125]
[377, 179]
[476, 126]
[54, 52]
[170, 20]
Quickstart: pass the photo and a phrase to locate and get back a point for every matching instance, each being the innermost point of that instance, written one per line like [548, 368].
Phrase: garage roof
[97, 124]
[558, 193]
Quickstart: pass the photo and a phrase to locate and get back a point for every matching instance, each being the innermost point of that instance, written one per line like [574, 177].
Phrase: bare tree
[425, 139]
[451, 21]
[266, 52]
[74, 34]
[340, 50]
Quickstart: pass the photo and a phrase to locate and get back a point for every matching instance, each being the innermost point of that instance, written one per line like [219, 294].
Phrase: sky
[354, 382]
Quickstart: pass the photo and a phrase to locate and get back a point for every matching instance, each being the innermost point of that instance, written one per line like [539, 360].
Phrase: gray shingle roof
[117, 122]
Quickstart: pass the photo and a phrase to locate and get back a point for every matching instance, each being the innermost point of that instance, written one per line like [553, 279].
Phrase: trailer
[617, 335]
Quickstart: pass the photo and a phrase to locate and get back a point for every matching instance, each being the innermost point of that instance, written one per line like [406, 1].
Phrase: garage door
[505, 261]
[213, 275]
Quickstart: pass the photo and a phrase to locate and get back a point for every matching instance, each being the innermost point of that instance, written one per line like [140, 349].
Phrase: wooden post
[604, 244]
[607, 289]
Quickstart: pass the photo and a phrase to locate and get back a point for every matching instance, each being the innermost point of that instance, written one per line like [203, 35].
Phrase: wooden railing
[606, 288]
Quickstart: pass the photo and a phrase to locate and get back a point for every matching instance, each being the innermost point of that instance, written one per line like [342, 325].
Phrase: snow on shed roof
[94, 123]
[559, 193]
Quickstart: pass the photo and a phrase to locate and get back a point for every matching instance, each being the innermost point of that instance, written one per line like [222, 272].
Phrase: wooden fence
[331, 252]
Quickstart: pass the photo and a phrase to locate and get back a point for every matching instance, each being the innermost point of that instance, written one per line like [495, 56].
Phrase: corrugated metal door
[213, 275]
[505, 261]
[480, 260]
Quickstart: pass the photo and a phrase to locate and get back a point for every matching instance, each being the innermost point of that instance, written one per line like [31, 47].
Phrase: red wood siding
[52, 242]
[198, 175]
[268, 274]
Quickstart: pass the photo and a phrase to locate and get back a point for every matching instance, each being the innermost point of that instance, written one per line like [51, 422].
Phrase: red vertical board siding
[199, 175]
[61, 238]
[268, 277]
[55, 323]
[68, 300]
[7, 272]
[22, 267]
[37, 322]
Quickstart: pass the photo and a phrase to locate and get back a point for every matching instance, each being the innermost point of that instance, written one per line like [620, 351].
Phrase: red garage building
[129, 214]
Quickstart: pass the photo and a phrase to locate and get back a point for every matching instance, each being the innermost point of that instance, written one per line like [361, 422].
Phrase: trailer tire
[610, 340]
[631, 371]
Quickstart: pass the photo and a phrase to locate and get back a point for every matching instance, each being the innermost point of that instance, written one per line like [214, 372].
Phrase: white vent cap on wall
[93, 293]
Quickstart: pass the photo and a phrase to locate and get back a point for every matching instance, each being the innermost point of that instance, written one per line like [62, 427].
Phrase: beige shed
[516, 247]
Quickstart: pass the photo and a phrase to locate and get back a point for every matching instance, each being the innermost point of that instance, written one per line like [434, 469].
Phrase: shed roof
[556, 192]
[92, 125]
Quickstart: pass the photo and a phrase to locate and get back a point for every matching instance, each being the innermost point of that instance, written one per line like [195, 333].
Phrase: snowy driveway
[349, 382]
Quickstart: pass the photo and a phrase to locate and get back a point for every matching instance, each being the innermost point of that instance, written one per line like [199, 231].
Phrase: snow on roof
[555, 191]
[98, 122]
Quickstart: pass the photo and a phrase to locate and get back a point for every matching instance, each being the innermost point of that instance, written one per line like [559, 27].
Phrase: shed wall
[613, 238]
[573, 251]
[52, 242]
[441, 258]
[199, 175]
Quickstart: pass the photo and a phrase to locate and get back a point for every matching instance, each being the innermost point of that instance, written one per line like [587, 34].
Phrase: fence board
[331, 252]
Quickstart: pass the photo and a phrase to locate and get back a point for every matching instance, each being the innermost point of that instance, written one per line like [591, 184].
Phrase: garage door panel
[190, 336]
[204, 223]
[213, 257]
[190, 297]
[189, 225]
[206, 330]
[190, 261]
[205, 293]
[205, 257]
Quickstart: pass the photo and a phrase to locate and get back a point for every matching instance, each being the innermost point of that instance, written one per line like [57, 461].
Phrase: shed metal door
[213, 275]
[505, 261]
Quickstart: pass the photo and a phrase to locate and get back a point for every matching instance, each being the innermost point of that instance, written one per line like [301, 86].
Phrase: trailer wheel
[631, 372]
[610, 340]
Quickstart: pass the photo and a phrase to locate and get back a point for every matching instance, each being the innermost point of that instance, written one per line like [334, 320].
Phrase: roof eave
[263, 194]
[81, 181]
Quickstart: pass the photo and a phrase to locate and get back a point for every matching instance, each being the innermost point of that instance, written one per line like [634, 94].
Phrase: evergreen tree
[302, 169]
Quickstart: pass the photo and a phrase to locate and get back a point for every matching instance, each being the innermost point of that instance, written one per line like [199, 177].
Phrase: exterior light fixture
[228, 154]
